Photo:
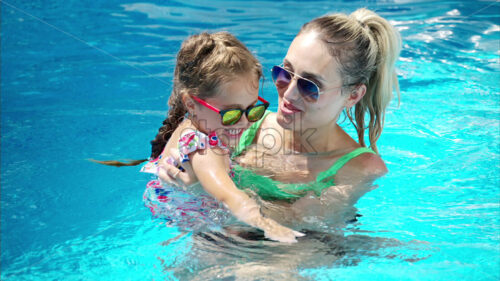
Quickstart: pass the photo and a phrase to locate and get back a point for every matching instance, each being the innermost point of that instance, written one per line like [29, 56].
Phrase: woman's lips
[288, 108]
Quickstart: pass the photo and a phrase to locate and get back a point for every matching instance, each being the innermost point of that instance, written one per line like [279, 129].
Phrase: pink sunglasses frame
[222, 112]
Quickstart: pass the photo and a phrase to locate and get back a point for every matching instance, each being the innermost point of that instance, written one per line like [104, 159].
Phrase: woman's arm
[210, 169]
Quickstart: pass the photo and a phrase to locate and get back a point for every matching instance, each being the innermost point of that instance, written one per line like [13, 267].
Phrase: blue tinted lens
[308, 89]
[280, 77]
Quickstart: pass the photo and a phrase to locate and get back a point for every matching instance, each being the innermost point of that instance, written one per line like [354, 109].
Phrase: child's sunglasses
[232, 116]
[307, 88]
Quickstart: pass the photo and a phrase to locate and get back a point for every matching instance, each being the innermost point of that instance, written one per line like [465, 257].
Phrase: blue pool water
[90, 79]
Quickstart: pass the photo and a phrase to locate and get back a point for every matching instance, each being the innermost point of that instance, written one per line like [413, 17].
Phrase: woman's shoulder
[365, 166]
[370, 164]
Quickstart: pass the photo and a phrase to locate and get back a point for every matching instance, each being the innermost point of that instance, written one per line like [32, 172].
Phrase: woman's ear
[356, 95]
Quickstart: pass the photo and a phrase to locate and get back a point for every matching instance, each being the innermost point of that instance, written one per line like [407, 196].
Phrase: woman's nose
[292, 92]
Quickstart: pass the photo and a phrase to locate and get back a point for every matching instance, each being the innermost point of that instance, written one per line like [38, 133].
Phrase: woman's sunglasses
[232, 116]
[307, 88]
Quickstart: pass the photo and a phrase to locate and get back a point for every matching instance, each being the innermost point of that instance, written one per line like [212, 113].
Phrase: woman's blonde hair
[366, 47]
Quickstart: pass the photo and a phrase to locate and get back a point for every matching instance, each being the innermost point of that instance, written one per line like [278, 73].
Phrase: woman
[336, 62]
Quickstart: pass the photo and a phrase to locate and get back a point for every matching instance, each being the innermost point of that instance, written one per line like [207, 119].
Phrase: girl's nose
[243, 121]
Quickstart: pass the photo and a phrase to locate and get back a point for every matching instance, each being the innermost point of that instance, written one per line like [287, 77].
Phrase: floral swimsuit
[179, 206]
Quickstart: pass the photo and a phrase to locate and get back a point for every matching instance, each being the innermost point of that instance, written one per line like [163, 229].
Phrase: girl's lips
[287, 108]
[233, 133]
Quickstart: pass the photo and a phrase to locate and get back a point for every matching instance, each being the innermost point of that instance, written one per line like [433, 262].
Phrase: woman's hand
[170, 171]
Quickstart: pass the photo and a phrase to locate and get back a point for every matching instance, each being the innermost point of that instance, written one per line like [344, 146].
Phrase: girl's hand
[172, 174]
[277, 232]
[248, 211]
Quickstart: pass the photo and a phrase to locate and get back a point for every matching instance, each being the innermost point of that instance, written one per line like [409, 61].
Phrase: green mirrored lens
[256, 113]
[231, 117]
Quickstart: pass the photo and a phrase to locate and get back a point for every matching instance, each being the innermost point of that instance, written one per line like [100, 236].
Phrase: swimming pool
[87, 79]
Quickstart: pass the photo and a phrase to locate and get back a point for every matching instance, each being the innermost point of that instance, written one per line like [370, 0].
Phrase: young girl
[214, 99]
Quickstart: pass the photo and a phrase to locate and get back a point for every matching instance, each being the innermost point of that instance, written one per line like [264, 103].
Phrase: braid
[175, 116]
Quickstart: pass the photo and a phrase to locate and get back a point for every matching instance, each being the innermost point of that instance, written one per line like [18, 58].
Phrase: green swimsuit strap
[248, 135]
[330, 173]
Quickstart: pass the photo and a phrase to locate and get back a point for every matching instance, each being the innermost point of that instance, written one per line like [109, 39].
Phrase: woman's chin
[286, 121]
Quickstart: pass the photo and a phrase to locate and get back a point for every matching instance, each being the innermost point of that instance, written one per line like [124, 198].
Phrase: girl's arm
[210, 167]
[172, 175]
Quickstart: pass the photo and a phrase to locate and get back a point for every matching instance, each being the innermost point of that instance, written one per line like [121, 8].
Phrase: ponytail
[118, 163]
[366, 47]
[386, 42]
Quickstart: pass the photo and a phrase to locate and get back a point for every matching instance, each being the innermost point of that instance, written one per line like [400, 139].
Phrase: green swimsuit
[269, 189]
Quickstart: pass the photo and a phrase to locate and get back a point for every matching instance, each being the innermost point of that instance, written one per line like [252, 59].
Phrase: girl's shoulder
[191, 141]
